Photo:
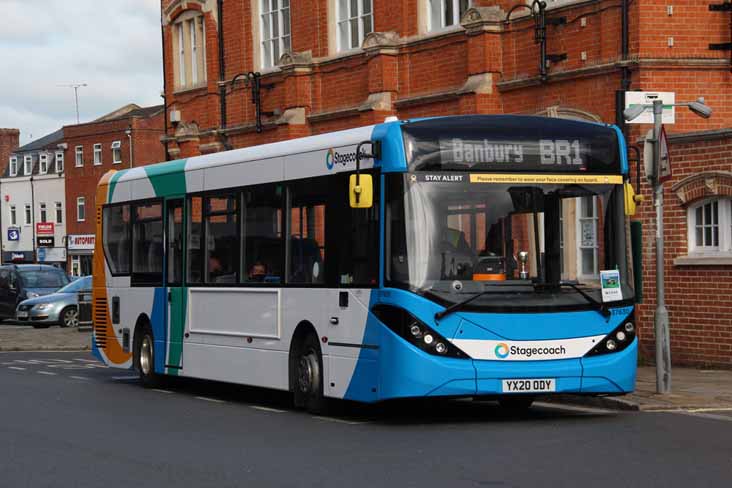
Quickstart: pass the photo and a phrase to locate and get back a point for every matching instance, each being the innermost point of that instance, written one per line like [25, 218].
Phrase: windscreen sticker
[546, 179]
[610, 283]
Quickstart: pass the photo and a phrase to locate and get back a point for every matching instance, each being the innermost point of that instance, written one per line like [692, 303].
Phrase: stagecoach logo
[333, 157]
[502, 350]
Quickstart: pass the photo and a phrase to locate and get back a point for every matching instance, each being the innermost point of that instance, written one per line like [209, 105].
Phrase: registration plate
[533, 385]
[22, 315]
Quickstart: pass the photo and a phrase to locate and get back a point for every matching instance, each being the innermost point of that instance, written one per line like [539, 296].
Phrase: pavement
[70, 421]
[26, 338]
[693, 389]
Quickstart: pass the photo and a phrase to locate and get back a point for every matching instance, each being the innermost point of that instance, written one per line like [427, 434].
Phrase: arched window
[189, 50]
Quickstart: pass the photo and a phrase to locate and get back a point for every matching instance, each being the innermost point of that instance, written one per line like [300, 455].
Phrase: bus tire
[144, 357]
[516, 404]
[308, 380]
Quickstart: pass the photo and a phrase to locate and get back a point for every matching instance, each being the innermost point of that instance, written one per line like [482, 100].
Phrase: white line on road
[79, 377]
[47, 373]
[86, 360]
[123, 378]
[710, 409]
[338, 421]
[267, 409]
[207, 399]
[573, 408]
[16, 368]
[162, 391]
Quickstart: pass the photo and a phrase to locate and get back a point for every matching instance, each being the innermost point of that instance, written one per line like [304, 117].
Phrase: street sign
[647, 98]
[13, 234]
[44, 229]
[665, 172]
[45, 241]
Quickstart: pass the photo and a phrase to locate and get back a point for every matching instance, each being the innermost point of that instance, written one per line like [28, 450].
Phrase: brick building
[328, 64]
[9, 142]
[127, 137]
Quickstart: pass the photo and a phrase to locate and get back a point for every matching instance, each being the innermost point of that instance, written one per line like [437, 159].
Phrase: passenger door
[177, 294]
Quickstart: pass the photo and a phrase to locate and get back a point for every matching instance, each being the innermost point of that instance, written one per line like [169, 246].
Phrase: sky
[113, 46]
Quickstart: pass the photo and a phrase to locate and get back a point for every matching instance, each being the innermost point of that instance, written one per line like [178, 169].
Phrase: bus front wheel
[308, 380]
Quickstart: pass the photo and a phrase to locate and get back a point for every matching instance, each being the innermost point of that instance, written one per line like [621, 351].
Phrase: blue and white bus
[471, 256]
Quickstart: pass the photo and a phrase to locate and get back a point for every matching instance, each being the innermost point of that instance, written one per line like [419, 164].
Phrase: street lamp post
[661, 319]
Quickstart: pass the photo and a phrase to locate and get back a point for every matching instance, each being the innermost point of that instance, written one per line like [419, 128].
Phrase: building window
[275, 29]
[355, 20]
[444, 13]
[13, 216]
[189, 44]
[44, 213]
[710, 227]
[43, 163]
[13, 165]
[80, 209]
[79, 156]
[28, 215]
[27, 164]
[116, 152]
[97, 154]
[59, 213]
[59, 162]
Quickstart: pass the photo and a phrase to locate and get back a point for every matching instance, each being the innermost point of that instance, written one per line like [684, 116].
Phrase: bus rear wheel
[144, 358]
[308, 376]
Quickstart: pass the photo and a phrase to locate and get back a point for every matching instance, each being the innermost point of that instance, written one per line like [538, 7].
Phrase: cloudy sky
[112, 45]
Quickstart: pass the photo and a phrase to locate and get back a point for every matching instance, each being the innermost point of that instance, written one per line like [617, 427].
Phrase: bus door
[176, 292]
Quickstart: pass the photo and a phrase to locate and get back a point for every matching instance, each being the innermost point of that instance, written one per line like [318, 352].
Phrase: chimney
[9, 142]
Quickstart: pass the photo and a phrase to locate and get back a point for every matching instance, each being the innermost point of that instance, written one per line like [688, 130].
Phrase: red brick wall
[9, 141]
[146, 147]
[697, 297]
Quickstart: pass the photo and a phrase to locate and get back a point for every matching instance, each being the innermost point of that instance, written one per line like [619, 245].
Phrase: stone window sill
[692, 260]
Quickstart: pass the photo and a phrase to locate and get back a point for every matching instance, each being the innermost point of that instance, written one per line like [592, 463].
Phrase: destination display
[511, 143]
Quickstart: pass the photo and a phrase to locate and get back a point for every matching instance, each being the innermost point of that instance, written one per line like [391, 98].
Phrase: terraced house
[246, 72]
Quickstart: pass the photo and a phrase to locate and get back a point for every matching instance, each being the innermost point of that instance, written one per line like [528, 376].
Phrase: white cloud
[112, 45]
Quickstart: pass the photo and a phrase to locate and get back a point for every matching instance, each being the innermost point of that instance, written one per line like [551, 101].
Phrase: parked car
[20, 282]
[60, 308]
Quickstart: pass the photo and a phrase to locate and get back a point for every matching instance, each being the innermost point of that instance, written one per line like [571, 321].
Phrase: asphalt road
[66, 421]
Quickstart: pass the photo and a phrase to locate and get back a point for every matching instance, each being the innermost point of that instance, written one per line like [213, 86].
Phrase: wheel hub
[306, 370]
[146, 356]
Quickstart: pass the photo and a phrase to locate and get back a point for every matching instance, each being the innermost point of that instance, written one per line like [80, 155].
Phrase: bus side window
[358, 239]
[194, 273]
[307, 228]
[263, 253]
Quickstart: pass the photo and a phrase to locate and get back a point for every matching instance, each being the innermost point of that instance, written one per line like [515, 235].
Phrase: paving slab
[25, 338]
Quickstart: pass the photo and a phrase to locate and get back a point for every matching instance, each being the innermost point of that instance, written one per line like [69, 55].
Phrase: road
[68, 421]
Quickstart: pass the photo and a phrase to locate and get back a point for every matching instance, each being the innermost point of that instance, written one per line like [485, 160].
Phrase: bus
[460, 256]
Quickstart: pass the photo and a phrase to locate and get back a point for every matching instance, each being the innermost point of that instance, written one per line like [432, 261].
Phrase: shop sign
[81, 242]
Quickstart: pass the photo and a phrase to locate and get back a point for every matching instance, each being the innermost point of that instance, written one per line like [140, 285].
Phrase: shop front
[80, 251]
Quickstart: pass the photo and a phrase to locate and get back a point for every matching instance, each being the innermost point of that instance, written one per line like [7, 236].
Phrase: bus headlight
[416, 332]
[617, 340]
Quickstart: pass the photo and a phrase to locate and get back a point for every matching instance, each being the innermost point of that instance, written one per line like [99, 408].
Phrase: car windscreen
[82, 284]
[43, 278]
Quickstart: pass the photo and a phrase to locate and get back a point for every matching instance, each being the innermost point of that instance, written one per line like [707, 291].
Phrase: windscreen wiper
[599, 306]
[457, 306]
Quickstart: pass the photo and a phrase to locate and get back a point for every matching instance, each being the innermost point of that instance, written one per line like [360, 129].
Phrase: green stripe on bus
[113, 184]
[168, 179]
[179, 297]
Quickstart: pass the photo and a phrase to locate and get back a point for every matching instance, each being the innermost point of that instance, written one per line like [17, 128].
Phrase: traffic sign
[647, 98]
[665, 159]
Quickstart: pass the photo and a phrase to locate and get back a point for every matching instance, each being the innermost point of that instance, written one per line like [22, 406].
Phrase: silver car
[60, 308]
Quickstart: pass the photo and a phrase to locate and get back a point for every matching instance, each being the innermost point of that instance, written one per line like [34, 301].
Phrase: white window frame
[190, 46]
[345, 17]
[595, 218]
[13, 216]
[79, 153]
[116, 152]
[181, 54]
[42, 212]
[59, 161]
[28, 214]
[283, 41]
[438, 6]
[724, 228]
[13, 165]
[27, 164]
[81, 209]
[43, 163]
[59, 207]
[97, 154]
